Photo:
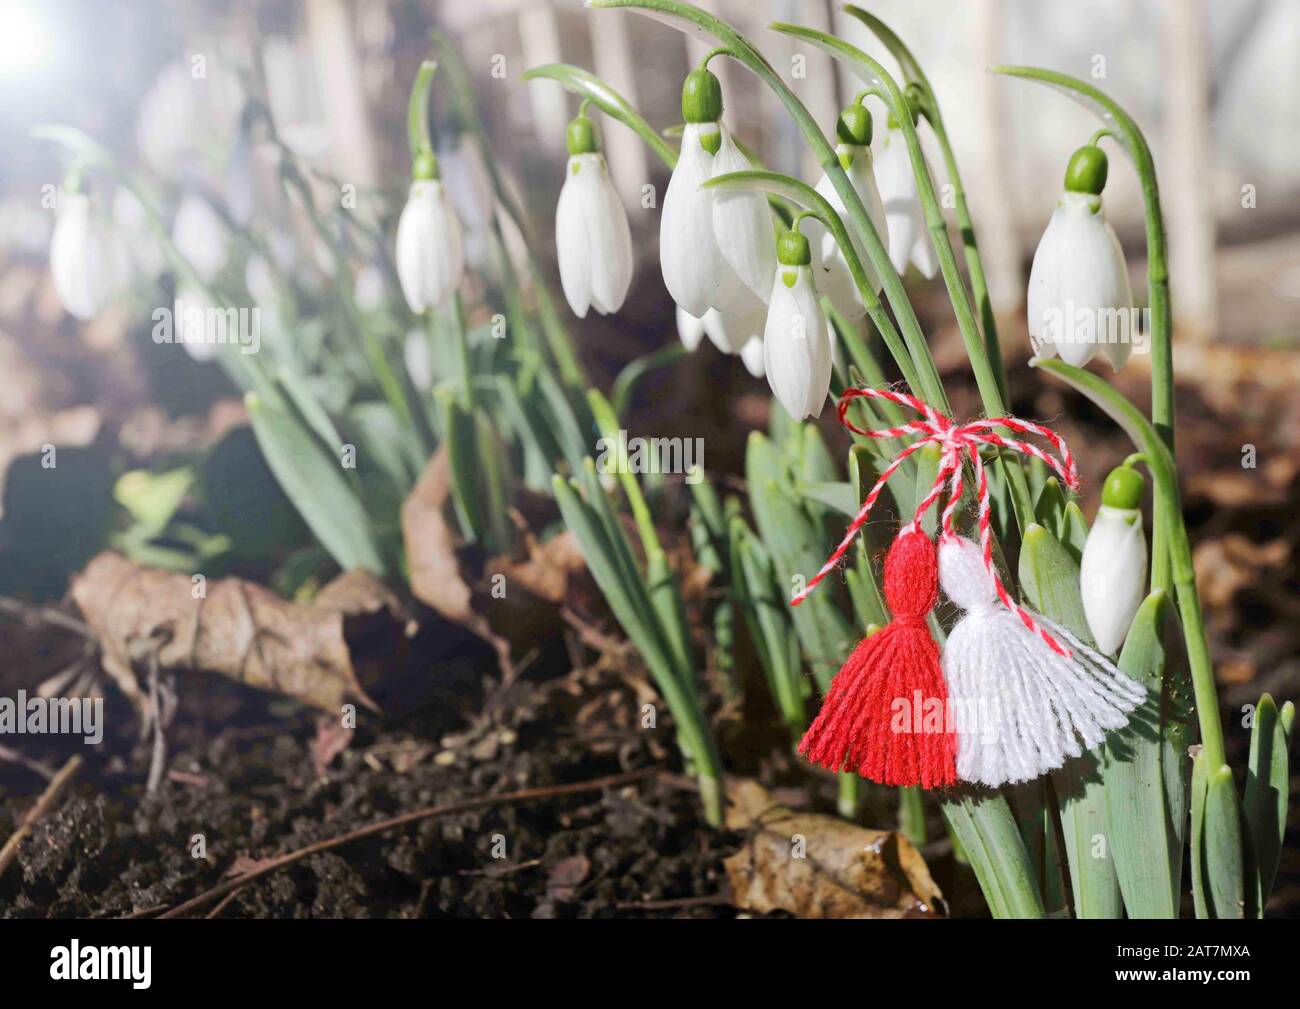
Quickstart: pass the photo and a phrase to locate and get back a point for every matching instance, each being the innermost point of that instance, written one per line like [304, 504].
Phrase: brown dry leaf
[239, 629]
[537, 578]
[847, 871]
[1226, 564]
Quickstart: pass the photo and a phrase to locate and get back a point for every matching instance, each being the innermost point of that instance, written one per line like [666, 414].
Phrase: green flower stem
[1168, 507]
[417, 111]
[929, 106]
[986, 378]
[1120, 125]
[591, 88]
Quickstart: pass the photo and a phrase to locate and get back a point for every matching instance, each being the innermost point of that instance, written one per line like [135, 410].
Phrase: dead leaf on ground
[237, 629]
[845, 871]
[537, 577]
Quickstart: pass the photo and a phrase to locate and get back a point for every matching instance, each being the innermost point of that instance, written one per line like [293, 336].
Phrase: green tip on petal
[425, 166]
[1086, 172]
[854, 126]
[1123, 488]
[792, 249]
[581, 136]
[710, 141]
[701, 97]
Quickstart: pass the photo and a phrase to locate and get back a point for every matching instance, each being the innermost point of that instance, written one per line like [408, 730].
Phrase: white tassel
[1020, 708]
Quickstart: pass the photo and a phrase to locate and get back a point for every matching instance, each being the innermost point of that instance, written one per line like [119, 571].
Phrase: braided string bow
[957, 442]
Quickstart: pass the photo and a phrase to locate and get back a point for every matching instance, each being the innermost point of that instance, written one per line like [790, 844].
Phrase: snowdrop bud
[797, 352]
[88, 260]
[1113, 574]
[830, 267]
[1079, 295]
[201, 237]
[592, 239]
[430, 254]
[909, 238]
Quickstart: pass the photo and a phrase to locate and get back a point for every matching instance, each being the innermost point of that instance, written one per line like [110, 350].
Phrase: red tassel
[885, 715]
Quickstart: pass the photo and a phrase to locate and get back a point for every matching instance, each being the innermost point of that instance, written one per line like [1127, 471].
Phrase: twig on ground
[43, 805]
[551, 791]
[35, 766]
[33, 613]
[716, 900]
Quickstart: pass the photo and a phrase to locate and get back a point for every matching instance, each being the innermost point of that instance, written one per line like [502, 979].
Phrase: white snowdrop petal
[692, 264]
[909, 240]
[742, 222]
[572, 239]
[729, 331]
[751, 354]
[690, 330]
[610, 237]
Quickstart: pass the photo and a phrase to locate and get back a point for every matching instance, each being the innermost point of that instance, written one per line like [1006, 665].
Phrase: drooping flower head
[593, 242]
[853, 132]
[797, 349]
[909, 237]
[89, 262]
[430, 254]
[1079, 295]
[715, 248]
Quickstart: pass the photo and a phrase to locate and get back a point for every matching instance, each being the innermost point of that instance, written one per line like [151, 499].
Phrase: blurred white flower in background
[89, 262]
[419, 359]
[132, 221]
[191, 113]
[201, 237]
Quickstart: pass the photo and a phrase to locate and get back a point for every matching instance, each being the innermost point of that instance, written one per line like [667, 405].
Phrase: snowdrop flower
[185, 112]
[201, 237]
[1112, 576]
[369, 288]
[1079, 294]
[729, 331]
[831, 269]
[714, 248]
[797, 352]
[909, 238]
[430, 252]
[88, 260]
[592, 240]
[418, 358]
[132, 222]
